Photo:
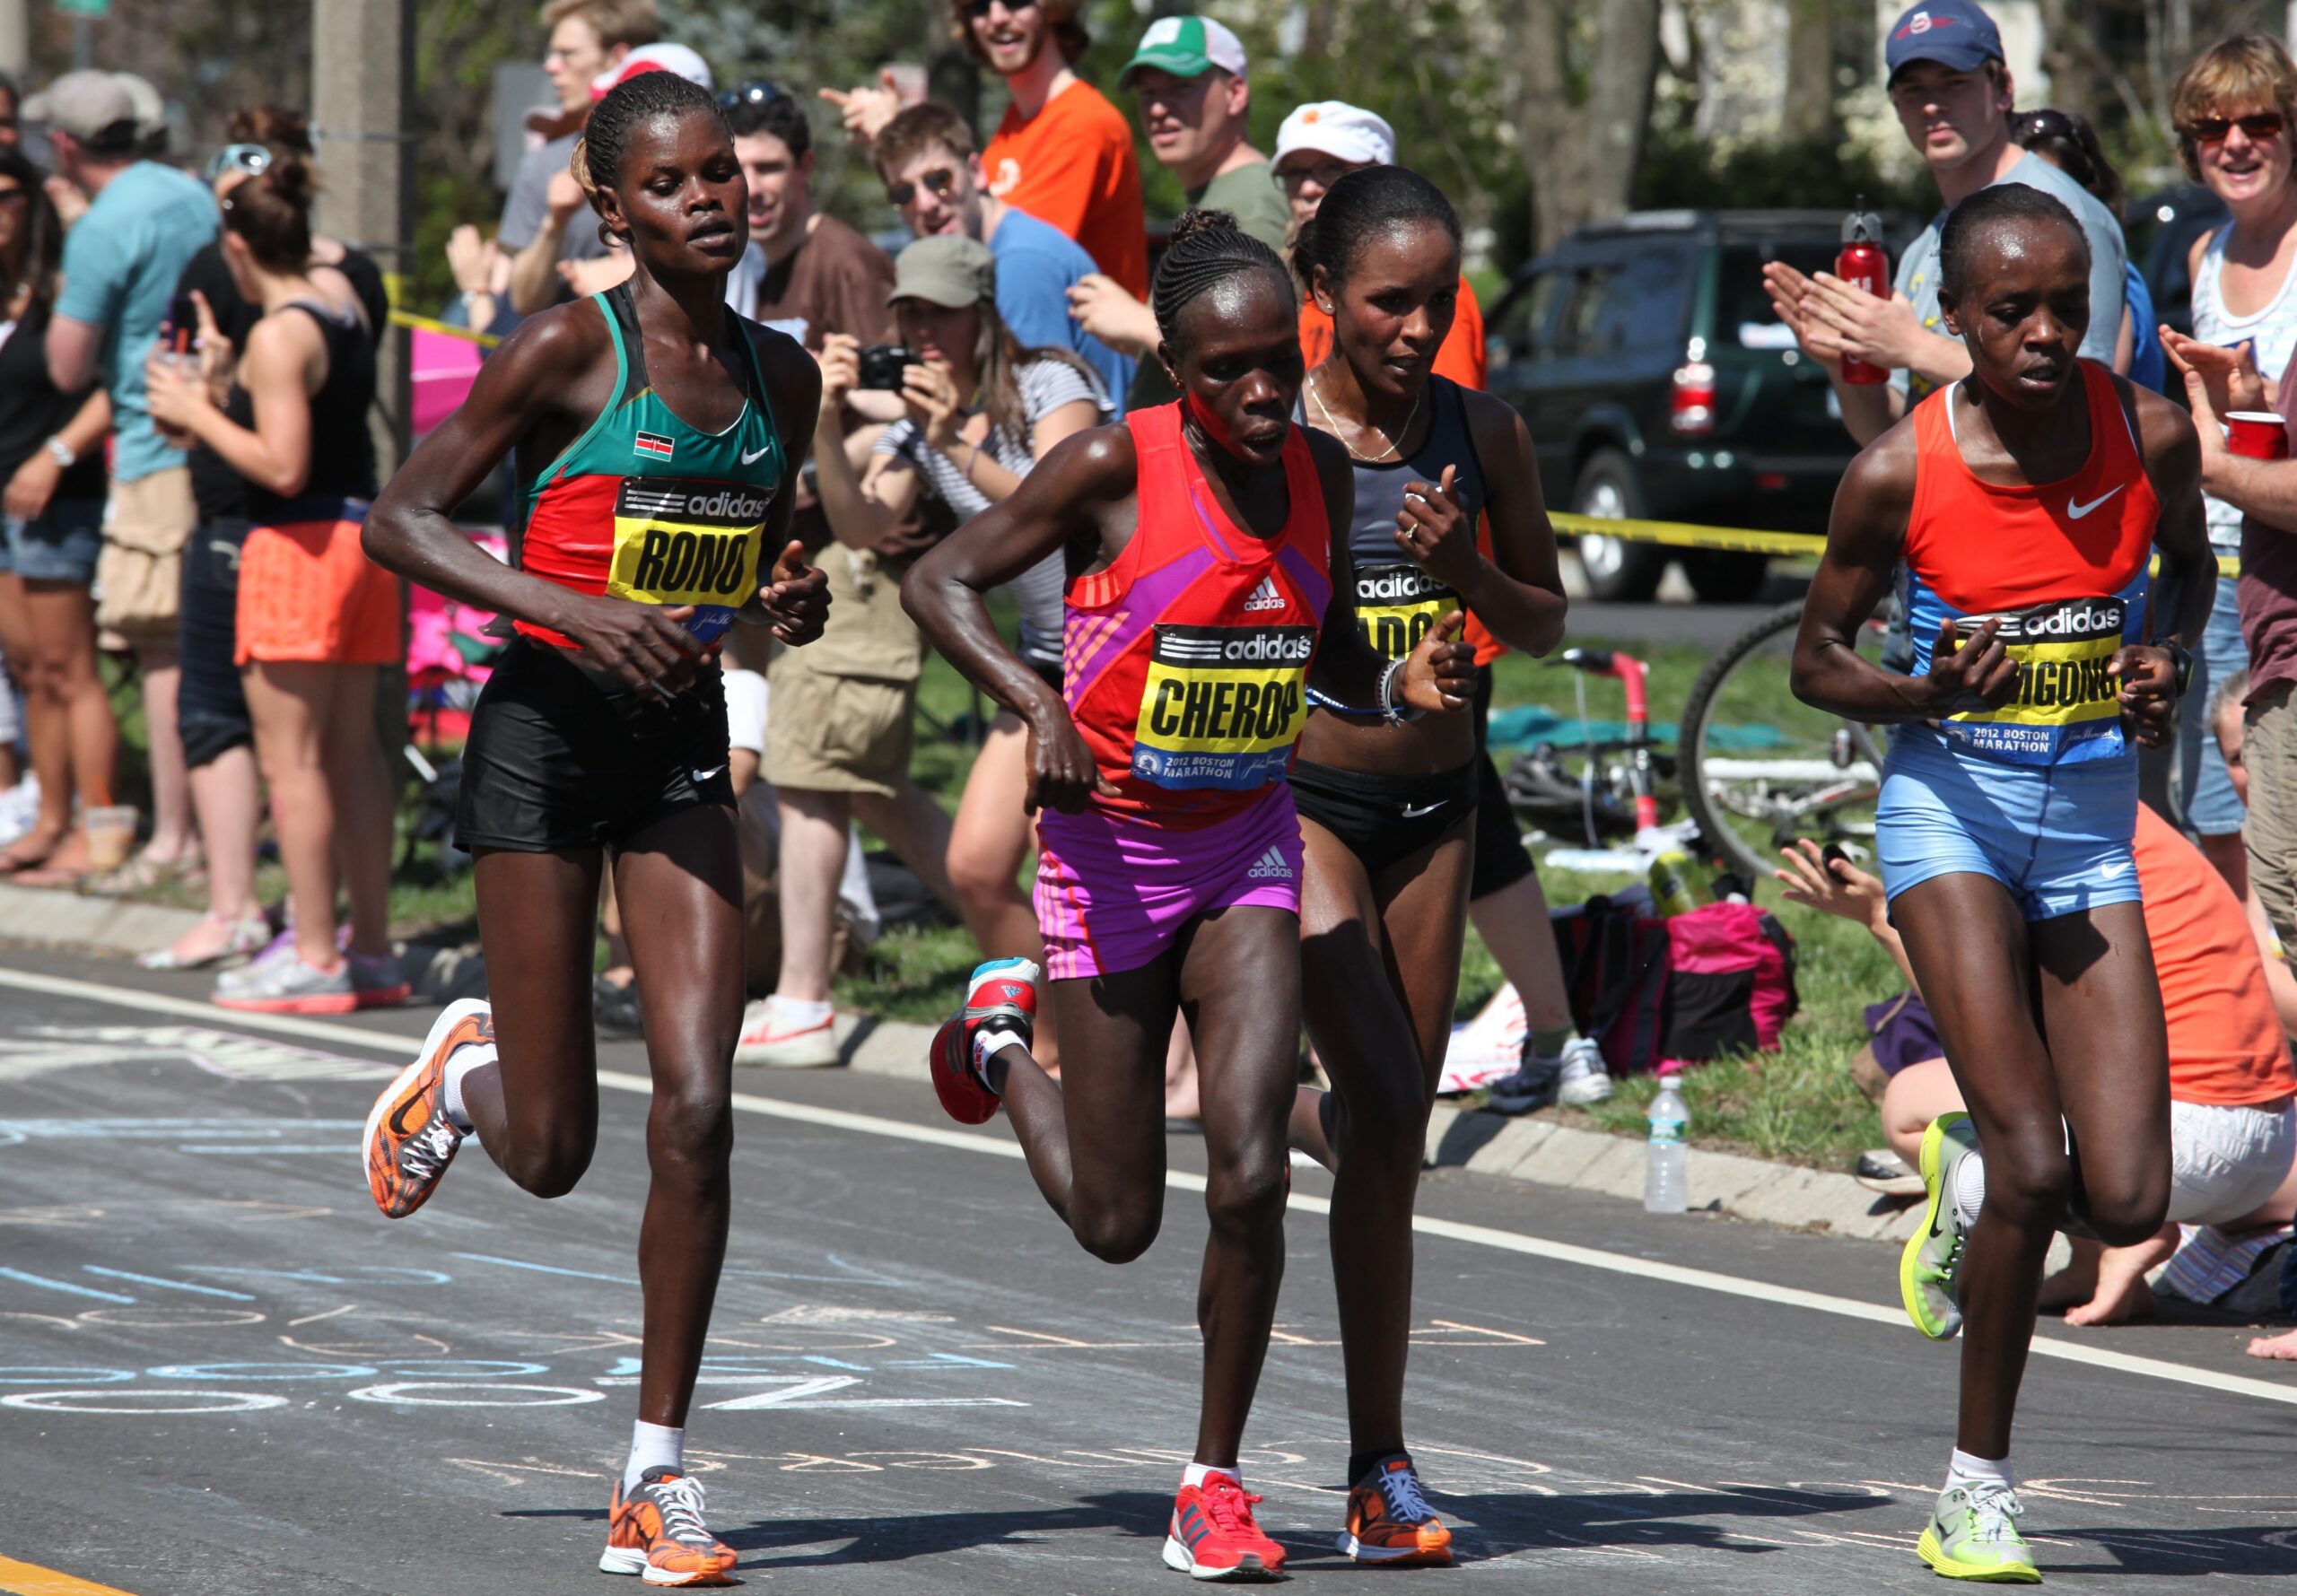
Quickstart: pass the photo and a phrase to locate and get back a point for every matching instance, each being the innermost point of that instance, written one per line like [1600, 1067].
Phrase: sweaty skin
[1096, 1140]
[1998, 983]
[678, 200]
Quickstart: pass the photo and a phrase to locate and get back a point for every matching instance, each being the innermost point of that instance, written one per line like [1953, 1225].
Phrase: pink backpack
[1657, 994]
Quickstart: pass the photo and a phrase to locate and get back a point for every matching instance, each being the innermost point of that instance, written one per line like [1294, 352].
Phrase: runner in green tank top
[602, 735]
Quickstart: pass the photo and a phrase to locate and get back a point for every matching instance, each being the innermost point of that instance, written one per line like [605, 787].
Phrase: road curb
[1528, 1149]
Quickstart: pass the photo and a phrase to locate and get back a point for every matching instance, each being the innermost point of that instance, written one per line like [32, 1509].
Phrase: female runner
[1387, 809]
[655, 431]
[1208, 551]
[2022, 502]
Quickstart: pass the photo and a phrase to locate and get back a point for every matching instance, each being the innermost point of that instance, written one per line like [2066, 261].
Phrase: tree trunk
[1547, 125]
[1808, 112]
[1618, 101]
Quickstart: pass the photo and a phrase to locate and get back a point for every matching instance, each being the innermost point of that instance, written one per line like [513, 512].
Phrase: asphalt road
[224, 1372]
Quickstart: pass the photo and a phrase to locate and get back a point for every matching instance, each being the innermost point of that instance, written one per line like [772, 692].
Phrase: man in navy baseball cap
[1953, 94]
[1954, 33]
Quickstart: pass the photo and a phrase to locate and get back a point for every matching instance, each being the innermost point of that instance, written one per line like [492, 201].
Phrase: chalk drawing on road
[227, 1053]
[1436, 1333]
[154, 1316]
[142, 1403]
[448, 1393]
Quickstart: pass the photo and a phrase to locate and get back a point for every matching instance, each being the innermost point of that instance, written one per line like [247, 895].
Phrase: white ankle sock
[791, 1015]
[990, 1040]
[1197, 1473]
[656, 1446]
[1969, 1189]
[1962, 1469]
[460, 1063]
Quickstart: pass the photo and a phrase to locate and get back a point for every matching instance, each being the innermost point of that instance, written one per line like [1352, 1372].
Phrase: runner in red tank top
[2017, 506]
[1206, 542]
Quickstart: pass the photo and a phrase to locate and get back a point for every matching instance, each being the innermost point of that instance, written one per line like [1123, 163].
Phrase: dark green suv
[1657, 384]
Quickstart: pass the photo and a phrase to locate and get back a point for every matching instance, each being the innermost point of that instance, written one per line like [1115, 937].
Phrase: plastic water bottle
[1670, 877]
[1662, 1175]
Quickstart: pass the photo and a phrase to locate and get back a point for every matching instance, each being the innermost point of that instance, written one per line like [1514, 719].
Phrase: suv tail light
[1691, 406]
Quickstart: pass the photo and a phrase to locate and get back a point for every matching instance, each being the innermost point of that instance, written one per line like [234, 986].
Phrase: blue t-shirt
[2148, 366]
[1037, 266]
[120, 265]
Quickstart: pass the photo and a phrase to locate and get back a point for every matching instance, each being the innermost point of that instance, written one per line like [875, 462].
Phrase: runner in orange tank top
[1210, 577]
[2016, 508]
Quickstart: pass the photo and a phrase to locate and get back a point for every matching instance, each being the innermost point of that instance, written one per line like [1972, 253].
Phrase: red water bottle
[1863, 264]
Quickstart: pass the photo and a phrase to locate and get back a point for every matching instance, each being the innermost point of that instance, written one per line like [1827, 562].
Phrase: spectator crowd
[187, 370]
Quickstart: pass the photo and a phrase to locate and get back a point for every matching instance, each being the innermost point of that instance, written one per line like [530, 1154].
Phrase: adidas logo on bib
[1265, 596]
[1270, 866]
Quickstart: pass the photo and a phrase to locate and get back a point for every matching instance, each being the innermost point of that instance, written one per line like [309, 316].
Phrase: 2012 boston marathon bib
[1222, 705]
[1397, 606]
[2065, 708]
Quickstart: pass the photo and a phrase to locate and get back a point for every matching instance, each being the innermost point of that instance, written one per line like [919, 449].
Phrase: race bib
[1222, 705]
[685, 542]
[1396, 605]
[2064, 699]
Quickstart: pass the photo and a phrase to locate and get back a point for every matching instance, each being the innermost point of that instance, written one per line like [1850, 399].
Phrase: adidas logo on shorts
[1272, 865]
[1265, 596]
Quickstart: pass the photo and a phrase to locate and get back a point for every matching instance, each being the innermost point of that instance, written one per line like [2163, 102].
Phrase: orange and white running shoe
[656, 1531]
[1213, 1535]
[1390, 1521]
[1003, 994]
[409, 1140]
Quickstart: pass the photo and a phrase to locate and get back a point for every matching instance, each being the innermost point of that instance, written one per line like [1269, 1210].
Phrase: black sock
[1360, 1463]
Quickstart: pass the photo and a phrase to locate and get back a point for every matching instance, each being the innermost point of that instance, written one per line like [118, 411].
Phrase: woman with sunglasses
[2231, 110]
[51, 459]
[212, 706]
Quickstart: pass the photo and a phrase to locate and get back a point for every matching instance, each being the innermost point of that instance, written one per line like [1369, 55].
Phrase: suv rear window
[1634, 303]
[1743, 314]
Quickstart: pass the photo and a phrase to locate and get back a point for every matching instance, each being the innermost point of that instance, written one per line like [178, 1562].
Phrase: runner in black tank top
[629, 553]
[1388, 808]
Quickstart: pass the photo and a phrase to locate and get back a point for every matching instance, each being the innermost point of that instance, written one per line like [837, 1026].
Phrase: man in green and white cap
[1188, 75]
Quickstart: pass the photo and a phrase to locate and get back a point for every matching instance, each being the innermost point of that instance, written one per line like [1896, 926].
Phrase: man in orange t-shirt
[1318, 145]
[1062, 153]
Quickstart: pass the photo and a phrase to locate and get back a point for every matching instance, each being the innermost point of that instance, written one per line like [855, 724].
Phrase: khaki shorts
[836, 734]
[139, 574]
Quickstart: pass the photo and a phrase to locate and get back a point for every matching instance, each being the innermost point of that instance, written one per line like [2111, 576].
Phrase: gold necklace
[1388, 453]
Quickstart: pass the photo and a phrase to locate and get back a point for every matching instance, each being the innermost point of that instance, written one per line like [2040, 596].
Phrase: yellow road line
[1739, 540]
[25, 1579]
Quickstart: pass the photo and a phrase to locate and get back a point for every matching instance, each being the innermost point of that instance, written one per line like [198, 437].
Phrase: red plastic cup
[2256, 435]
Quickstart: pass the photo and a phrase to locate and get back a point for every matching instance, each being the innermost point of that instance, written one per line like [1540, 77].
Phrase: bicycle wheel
[1761, 768]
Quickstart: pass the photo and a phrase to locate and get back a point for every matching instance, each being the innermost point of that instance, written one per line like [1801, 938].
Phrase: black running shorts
[1383, 819]
[1500, 859]
[563, 757]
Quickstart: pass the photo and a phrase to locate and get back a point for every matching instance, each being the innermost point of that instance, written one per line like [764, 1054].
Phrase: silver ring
[656, 684]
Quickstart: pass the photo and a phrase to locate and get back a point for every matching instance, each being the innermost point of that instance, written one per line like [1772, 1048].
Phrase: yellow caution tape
[1738, 540]
[429, 324]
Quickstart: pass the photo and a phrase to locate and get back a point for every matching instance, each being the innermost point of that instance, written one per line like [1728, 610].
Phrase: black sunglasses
[2258, 126]
[978, 9]
[2045, 124]
[757, 91]
[936, 182]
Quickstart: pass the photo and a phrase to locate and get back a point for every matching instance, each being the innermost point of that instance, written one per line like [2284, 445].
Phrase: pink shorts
[1111, 894]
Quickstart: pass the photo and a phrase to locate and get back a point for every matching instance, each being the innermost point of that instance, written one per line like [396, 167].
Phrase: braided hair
[2009, 204]
[1204, 250]
[629, 104]
[1360, 207]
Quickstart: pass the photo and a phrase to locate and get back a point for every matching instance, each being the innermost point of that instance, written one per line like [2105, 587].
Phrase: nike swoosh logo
[701, 776]
[750, 455]
[1412, 813]
[2075, 512]
[2112, 872]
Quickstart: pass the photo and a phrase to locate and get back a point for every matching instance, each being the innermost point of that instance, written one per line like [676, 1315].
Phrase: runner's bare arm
[793, 597]
[1518, 593]
[1864, 541]
[535, 393]
[1439, 677]
[1081, 495]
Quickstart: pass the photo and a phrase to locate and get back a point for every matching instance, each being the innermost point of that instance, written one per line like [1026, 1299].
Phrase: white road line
[1479, 1236]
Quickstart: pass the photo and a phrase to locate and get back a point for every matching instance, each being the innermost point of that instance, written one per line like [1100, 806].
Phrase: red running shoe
[1002, 993]
[656, 1533]
[1213, 1535]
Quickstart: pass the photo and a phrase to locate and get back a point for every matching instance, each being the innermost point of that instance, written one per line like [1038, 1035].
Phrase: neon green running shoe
[1932, 1260]
[1973, 1535]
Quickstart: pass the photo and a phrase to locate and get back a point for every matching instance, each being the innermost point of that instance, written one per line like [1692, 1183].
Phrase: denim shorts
[2057, 837]
[61, 546]
[2205, 790]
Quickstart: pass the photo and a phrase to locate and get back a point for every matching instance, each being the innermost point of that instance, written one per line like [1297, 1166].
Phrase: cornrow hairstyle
[2003, 205]
[1204, 250]
[597, 160]
[1361, 206]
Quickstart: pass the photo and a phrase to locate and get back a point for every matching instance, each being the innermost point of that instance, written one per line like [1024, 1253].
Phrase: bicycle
[1759, 767]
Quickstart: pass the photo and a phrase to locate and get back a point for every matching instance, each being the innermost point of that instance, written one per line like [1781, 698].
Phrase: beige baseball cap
[948, 269]
[94, 108]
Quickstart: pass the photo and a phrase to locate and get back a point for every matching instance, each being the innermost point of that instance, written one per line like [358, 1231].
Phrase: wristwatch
[2181, 661]
[64, 457]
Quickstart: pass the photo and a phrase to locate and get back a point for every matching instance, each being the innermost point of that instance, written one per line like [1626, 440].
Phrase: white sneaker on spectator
[1584, 1079]
[19, 809]
[774, 1036]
